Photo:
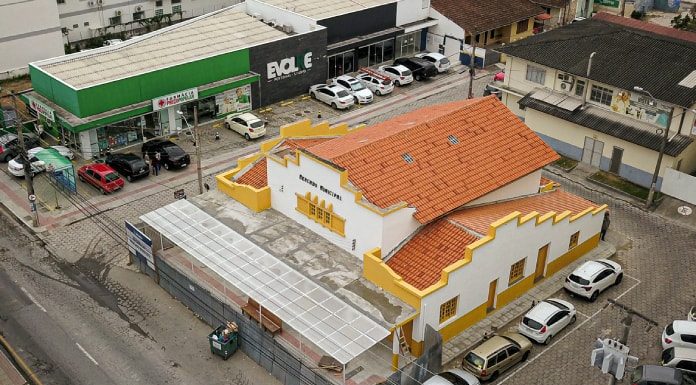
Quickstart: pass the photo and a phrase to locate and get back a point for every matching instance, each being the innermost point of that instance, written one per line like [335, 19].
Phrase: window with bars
[522, 26]
[321, 213]
[176, 8]
[536, 74]
[448, 309]
[115, 20]
[516, 271]
[580, 88]
[601, 95]
[138, 15]
[159, 12]
[573, 240]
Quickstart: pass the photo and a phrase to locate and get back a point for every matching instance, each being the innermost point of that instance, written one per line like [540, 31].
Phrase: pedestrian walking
[605, 225]
[158, 162]
[146, 158]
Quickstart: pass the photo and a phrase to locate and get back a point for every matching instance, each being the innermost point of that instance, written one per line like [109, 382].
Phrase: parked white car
[440, 61]
[247, 124]
[679, 333]
[692, 314]
[453, 377]
[66, 152]
[16, 167]
[335, 96]
[361, 94]
[399, 74]
[381, 85]
[593, 277]
[547, 319]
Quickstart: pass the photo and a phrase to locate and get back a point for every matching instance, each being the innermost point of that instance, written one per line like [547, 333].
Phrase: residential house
[490, 23]
[613, 113]
[558, 13]
[444, 206]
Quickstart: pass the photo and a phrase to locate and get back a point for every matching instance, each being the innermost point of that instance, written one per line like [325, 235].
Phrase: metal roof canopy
[324, 319]
[325, 9]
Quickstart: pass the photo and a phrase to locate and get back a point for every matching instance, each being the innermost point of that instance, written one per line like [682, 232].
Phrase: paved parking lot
[656, 255]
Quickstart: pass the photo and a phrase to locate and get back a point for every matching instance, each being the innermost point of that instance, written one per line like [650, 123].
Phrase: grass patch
[566, 163]
[619, 183]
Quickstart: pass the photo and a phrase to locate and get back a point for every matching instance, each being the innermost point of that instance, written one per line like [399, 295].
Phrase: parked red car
[100, 176]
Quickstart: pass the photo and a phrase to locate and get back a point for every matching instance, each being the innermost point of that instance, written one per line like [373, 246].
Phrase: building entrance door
[616, 155]
[491, 295]
[541, 263]
[592, 151]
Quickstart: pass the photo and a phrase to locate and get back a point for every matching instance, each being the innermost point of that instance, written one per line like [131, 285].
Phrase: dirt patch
[17, 85]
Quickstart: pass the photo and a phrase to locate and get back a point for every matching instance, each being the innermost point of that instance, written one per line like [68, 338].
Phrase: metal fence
[258, 344]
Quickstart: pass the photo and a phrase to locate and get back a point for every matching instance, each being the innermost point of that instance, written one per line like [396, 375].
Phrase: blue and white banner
[139, 244]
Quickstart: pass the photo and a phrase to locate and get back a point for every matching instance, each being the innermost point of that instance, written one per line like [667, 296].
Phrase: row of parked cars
[547, 318]
[344, 91]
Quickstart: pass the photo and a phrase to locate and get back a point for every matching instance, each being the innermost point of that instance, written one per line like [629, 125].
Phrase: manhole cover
[299, 114]
[684, 210]
[307, 111]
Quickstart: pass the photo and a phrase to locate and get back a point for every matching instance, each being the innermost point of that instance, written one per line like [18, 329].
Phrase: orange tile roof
[257, 175]
[421, 260]
[494, 148]
[438, 245]
[480, 218]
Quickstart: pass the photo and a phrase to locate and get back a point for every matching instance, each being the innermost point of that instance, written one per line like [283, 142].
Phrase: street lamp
[663, 144]
[196, 143]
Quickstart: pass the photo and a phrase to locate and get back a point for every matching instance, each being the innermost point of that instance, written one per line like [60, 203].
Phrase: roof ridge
[462, 227]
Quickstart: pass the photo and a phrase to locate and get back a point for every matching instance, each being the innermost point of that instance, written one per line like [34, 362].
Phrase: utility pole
[623, 8]
[663, 144]
[627, 322]
[28, 177]
[472, 66]
[198, 149]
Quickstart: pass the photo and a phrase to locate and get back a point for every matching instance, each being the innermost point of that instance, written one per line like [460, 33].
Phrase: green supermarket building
[240, 58]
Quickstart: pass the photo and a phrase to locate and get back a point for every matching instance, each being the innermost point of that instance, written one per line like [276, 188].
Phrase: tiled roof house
[446, 194]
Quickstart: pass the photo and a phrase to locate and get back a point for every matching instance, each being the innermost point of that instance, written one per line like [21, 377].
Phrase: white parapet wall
[679, 185]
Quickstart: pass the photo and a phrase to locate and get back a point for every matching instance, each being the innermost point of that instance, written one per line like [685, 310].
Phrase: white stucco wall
[409, 11]
[524, 186]
[494, 259]
[367, 228]
[29, 31]
[437, 32]
[679, 185]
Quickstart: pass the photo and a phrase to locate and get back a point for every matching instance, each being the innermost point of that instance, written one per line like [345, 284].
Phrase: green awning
[53, 157]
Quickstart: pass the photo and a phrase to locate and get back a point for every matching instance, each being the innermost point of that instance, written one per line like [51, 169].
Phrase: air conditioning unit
[256, 15]
[566, 86]
[288, 29]
[117, 13]
[138, 9]
[99, 1]
[90, 3]
[566, 78]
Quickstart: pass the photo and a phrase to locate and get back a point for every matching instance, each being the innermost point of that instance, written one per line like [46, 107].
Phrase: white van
[683, 359]
[680, 334]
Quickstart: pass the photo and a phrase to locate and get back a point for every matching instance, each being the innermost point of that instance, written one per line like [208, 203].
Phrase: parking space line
[581, 313]
[529, 361]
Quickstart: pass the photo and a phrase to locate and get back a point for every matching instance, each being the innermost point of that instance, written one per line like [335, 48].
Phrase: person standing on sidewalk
[605, 225]
[156, 163]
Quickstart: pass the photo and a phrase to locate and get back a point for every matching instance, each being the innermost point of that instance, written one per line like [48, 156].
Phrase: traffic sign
[32, 198]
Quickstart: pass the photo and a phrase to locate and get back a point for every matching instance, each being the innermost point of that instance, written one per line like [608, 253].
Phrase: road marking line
[32, 299]
[582, 314]
[529, 361]
[87, 354]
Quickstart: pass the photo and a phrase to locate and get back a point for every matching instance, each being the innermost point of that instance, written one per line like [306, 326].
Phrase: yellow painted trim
[255, 199]
[417, 348]
[559, 263]
[376, 271]
[462, 323]
[514, 291]
[395, 362]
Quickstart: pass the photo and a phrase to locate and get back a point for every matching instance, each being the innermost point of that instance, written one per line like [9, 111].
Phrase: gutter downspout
[587, 85]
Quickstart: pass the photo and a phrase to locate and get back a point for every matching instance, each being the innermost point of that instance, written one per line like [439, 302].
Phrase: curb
[26, 370]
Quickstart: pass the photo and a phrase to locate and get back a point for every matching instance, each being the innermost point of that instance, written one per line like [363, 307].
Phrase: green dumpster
[222, 348]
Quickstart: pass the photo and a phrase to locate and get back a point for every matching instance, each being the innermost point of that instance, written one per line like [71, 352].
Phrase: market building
[444, 207]
[230, 61]
[610, 98]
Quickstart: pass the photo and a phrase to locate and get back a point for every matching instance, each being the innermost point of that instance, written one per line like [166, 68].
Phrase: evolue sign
[174, 99]
[288, 67]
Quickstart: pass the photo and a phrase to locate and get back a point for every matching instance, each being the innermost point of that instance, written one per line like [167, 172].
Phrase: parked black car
[129, 165]
[421, 68]
[9, 145]
[171, 155]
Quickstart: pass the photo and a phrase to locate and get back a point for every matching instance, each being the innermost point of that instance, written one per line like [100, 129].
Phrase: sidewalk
[9, 375]
[501, 317]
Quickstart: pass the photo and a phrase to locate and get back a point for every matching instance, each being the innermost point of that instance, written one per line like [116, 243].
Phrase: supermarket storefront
[118, 96]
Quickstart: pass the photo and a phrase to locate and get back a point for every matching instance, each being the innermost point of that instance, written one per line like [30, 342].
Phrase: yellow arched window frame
[321, 213]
